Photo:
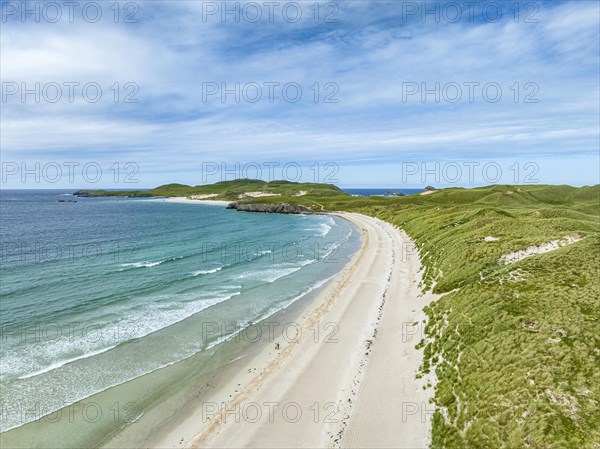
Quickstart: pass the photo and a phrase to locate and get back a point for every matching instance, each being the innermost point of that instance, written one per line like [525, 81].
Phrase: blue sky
[371, 60]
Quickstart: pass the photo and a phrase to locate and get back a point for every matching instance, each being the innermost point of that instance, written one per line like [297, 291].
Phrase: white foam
[214, 270]
[148, 264]
[270, 275]
[139, 322]
[141, 264]
[149, 319]
[262, 253]
[324, 229]
[64, 362]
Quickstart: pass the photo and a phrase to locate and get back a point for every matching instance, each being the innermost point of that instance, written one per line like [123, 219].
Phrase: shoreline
[257, 360]
[347, 381]
[176, 429]
[158, 396]
[340, 382]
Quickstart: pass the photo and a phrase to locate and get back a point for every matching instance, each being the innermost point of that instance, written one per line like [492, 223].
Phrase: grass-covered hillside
[231, 190]
[515, 346]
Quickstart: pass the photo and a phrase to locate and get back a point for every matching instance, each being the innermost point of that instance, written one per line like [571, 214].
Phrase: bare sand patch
[258, 194]
[203, 197]
[521, 254]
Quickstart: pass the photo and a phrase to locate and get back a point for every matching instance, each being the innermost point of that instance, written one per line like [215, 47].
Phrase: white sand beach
[183, 199]
[348, 381]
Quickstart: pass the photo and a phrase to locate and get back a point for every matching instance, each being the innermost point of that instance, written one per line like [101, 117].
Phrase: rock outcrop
[276, 208]
[82, 193]
[104, 193]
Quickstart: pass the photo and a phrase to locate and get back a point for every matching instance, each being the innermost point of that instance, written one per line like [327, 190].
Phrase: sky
[360, 94]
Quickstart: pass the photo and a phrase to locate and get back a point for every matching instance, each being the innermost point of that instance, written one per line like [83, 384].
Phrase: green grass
[230, 190]
[515, 348]
[517, 361]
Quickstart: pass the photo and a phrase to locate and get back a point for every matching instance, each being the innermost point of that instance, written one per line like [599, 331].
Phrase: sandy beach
[183, 199]
[346, 377]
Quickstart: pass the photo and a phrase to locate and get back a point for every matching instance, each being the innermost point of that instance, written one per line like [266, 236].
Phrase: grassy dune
[515, 347]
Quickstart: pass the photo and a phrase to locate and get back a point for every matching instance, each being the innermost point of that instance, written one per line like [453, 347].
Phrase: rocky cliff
[276, 208]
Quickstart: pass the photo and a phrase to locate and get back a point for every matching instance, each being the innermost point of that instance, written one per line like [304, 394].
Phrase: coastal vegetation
[226, 190]
[514, 346]
[513, 343]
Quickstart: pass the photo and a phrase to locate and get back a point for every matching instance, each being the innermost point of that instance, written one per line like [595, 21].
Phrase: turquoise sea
[99, 292]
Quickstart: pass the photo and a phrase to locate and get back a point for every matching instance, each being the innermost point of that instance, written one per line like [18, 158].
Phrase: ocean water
[102, 291]
[381, 192]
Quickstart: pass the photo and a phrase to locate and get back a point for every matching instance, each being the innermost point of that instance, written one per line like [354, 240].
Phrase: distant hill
[228, 190]
[328, 197]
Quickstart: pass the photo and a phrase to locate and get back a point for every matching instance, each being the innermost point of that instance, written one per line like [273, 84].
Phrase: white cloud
[172, 52]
